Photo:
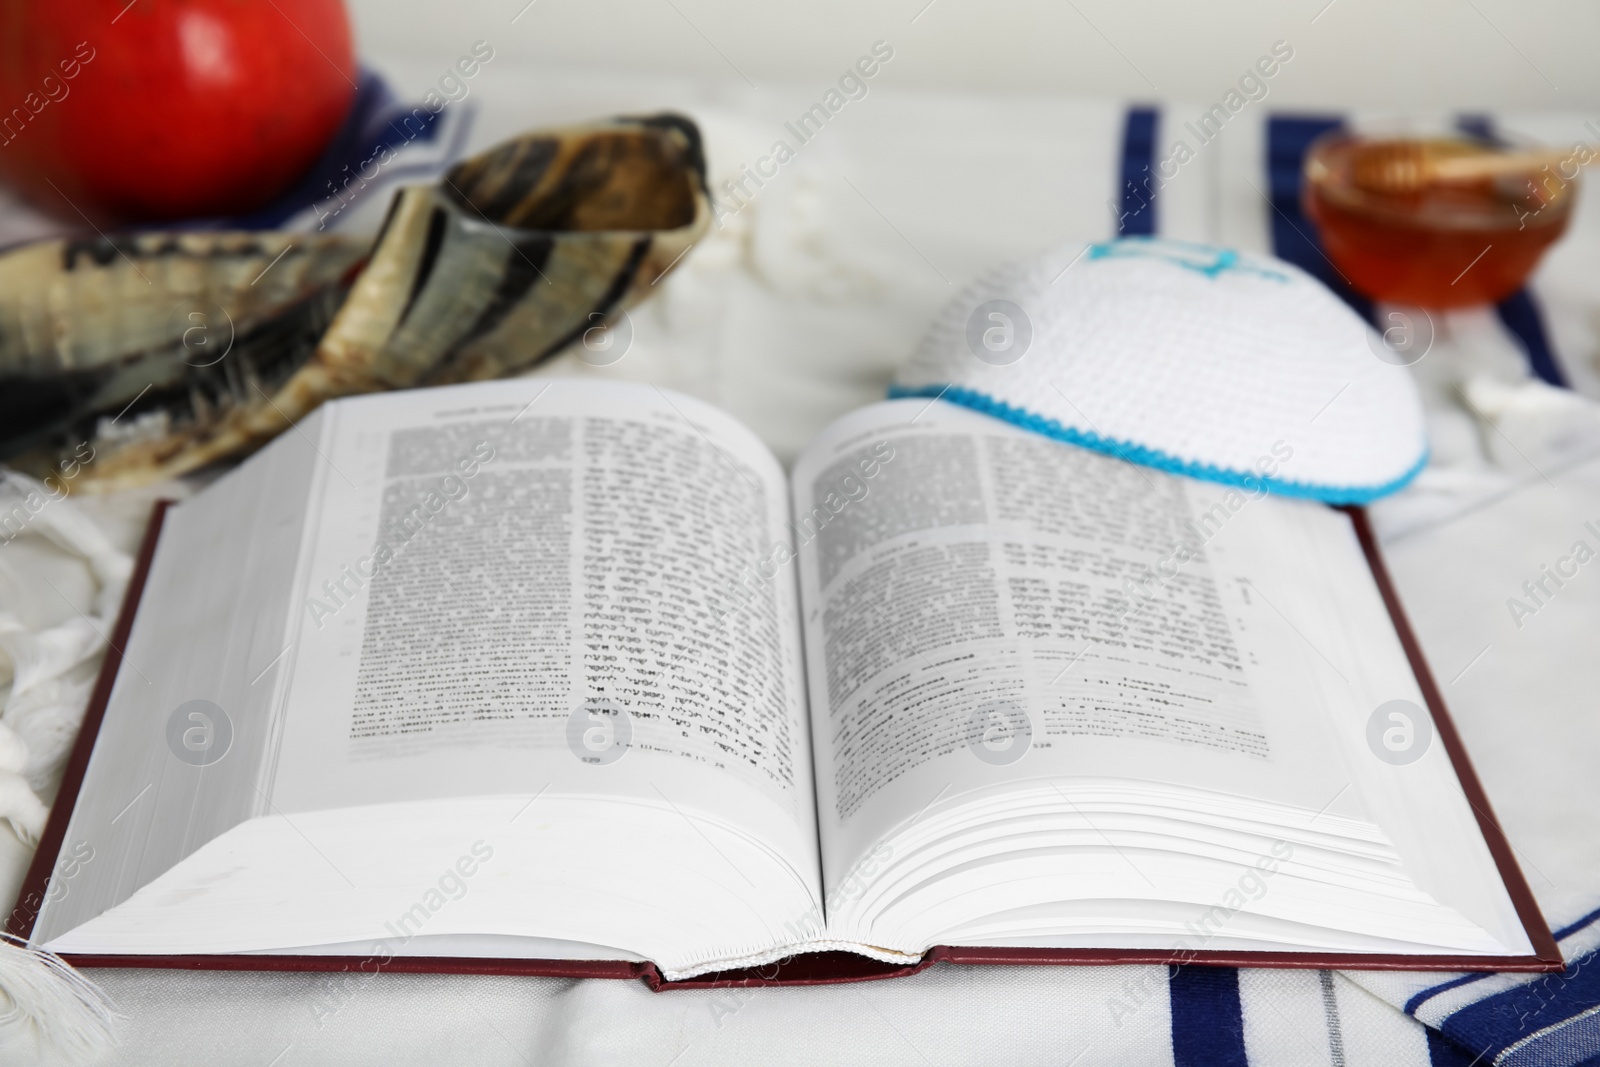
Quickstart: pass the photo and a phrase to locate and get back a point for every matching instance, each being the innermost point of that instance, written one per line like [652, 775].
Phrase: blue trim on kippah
[1153, 457]
[1218, 261]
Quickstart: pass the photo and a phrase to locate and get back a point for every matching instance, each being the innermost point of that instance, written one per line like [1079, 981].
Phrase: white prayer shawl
[1507, 491]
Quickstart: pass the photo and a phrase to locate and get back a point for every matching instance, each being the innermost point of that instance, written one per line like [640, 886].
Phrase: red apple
[158, 109]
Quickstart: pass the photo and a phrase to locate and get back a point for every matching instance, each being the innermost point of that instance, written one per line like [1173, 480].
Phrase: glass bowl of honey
[1400, 232]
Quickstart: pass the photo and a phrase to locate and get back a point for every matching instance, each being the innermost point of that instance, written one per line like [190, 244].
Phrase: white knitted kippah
[1203, 361]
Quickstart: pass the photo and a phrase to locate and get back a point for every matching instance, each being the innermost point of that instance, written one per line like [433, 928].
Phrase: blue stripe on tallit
[1294, 237]
[1479, 127]
[1137, 189]
[1499, 1022]
[1446, 1053]
[1419, 999]
[1519, 312]
[1581, 924]
[1422, 997]
[1207, 1018]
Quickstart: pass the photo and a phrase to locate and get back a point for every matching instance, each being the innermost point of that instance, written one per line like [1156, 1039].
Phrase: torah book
[569, 677]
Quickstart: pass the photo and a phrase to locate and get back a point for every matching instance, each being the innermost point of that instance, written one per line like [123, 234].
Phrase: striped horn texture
[129, 360]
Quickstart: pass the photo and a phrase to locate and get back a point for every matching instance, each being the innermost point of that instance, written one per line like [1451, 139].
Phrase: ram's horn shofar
[139, 351]
[159, 353]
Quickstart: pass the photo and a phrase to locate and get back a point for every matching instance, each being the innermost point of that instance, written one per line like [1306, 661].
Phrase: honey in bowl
[1427, 243]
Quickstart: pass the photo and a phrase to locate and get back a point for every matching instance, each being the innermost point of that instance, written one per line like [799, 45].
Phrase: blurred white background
[1349, 53]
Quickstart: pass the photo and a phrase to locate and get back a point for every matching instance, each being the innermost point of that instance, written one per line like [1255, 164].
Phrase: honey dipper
[1398, 167]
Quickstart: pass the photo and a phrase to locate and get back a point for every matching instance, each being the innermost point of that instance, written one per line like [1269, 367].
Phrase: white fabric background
[797, 311]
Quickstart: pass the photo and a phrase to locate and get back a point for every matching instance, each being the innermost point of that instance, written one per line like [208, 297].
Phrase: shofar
[159, 353]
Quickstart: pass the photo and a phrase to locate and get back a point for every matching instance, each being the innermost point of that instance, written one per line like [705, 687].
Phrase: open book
[570, 673]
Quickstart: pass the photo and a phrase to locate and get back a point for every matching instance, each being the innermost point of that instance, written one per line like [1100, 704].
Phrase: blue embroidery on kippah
[1186, 254]
[1154, 457]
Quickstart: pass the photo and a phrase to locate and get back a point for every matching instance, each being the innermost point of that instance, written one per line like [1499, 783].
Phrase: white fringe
[67, 1013]
[45, 678]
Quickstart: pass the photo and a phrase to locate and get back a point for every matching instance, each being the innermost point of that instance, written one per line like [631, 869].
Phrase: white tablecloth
[797, 310]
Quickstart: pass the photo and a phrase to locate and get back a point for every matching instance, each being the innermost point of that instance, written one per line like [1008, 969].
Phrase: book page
[180, 758]
[985, 605]
[550, 585]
